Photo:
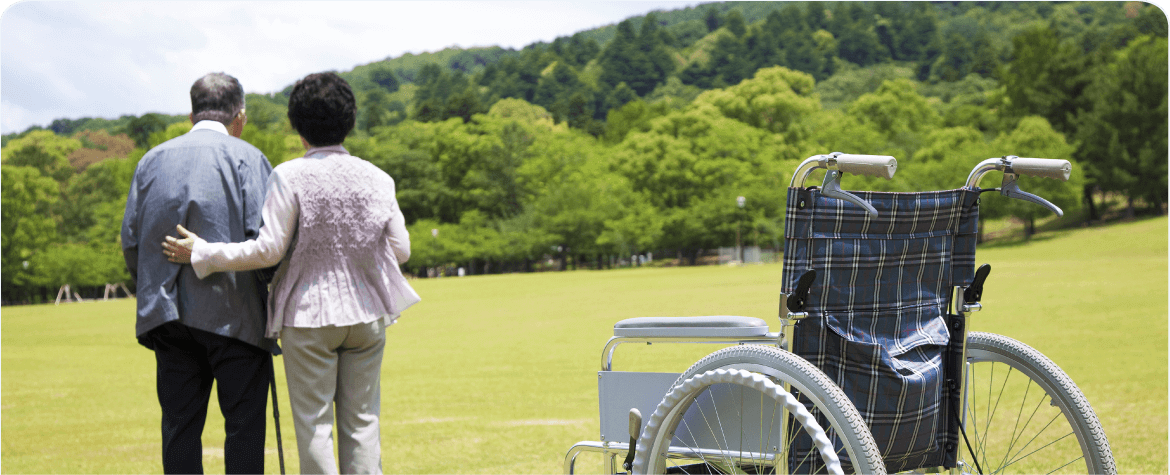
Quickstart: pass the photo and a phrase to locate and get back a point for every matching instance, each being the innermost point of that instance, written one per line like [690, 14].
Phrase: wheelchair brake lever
[796, 301]
[1011, 189]
[635, 431]
[832, 189]
[975, 291]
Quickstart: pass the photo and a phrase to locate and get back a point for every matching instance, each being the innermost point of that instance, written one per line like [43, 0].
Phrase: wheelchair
[873, 369]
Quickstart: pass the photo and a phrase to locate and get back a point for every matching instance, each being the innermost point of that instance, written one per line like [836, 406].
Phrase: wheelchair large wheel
[716, 424]
[1024, 415]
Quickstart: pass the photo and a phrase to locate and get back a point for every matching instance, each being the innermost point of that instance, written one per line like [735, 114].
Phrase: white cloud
[104, 59]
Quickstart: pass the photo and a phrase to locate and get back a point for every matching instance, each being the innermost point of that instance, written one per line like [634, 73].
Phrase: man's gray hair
[218, 97]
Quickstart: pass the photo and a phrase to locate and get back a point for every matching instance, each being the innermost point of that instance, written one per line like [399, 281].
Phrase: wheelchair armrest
[691, 327]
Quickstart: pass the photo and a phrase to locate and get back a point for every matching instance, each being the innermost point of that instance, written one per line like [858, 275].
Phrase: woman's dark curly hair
[322, 109]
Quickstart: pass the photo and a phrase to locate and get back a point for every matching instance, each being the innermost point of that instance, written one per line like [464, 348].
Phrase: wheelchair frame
[617, 397]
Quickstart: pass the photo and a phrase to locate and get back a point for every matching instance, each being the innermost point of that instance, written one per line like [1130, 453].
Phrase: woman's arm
[280, 214]
[399, 236]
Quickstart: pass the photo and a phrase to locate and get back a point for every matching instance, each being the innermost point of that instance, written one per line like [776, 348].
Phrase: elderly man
[212, 329]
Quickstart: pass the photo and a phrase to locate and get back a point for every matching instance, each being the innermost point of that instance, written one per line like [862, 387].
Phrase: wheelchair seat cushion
[691, 327]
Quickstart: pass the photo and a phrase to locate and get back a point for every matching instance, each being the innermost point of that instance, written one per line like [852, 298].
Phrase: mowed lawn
[498, 374]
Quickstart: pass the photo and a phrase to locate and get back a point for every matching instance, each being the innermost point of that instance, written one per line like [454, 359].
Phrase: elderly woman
[332, 222]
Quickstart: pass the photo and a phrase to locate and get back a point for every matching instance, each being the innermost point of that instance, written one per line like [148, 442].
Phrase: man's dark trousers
[188, 361]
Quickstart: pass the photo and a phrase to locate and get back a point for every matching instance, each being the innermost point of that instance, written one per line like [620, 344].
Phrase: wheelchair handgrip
[1042, 167]
[883, 166]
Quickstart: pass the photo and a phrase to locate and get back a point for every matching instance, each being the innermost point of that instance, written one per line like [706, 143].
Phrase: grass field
[497, 374]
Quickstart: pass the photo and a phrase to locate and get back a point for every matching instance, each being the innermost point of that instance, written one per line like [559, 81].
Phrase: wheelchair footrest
[691, 327]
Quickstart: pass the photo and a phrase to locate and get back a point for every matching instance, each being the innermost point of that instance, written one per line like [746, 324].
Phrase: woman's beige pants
[336, 369]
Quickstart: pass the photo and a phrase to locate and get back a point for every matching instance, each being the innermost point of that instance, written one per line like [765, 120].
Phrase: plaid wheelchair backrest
[878, 323]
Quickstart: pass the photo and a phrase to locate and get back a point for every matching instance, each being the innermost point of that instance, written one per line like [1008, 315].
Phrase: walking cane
[276, 416]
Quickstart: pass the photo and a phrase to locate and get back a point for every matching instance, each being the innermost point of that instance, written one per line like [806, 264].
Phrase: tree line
[639, 137]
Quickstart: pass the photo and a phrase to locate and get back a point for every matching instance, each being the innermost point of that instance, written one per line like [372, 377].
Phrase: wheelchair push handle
[882, 166]
[1012, 167]
[1011, 164]
[1042, 167]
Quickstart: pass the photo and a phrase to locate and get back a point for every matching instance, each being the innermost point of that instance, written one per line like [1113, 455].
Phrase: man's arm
[130, 229]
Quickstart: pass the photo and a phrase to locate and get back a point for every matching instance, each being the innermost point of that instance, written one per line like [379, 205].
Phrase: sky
[66, 59]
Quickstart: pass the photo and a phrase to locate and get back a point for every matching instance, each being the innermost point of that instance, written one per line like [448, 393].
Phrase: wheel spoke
[970, 409]
[760, 464]
[781, 448]
[696, 446]
[987, 422]
[725, 448]
[1016, 430]
[1007, 455]
[1043, 447]
[994, 410]
[1067, 464]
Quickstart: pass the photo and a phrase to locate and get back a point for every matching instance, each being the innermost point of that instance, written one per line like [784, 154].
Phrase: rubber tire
[783, 366]
[1058, 386]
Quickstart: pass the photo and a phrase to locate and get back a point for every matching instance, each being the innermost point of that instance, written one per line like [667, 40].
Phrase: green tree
[105, 182]
[514, 77]
[577, 50]
[580, 113]
[921, 29]
[555, 88]
[944, 160]
[898, 112]
[464, 105]
[635, 115]
[691, 164]
[986, 59]
[267, 113]
[653, 42]
[640, 60]
[619, 96]
[775, 99]
[1045, 77]
[1123, 131]
[79, 264]
[385, 79]
[43, 150]
[28, 228]
[730, 61]
[635, 226]
[275, 146]
[712, 19]
[837, 131]
[141, 128]
[956, 60]
[378, 110]
[735, 23]
[674, 93]
[860, 46]
[442, 95]
[850, 83]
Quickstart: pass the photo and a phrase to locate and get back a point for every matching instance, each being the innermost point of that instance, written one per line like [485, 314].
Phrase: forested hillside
[640, 136]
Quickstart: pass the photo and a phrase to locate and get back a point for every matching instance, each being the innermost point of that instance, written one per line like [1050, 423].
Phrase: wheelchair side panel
[618, 391]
